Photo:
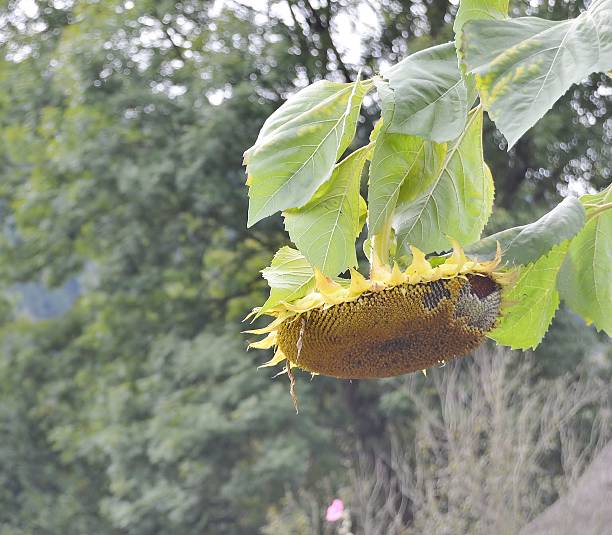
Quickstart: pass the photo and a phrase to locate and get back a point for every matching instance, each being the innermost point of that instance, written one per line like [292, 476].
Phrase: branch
[598, 209]
[300, 37]
[166, 29]
[177, 49]
[323, 29]
[342, 65]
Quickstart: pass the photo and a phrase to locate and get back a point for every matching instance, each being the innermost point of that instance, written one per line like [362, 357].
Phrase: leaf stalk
[598, 209]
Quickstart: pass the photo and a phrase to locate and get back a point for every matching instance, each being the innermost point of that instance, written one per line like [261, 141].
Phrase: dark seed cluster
[394, 331]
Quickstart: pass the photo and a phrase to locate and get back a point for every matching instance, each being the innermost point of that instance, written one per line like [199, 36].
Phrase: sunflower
[393, 323]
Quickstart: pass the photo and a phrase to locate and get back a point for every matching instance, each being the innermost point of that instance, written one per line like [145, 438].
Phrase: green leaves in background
[454, 199]
[326, 228]
[299, 145]
[290, 277]
[524, 65]
[527, 243]
[431, 98]
[534, 300]
[585, 281]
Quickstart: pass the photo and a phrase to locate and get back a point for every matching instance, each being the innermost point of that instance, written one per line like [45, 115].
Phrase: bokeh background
[128, 402]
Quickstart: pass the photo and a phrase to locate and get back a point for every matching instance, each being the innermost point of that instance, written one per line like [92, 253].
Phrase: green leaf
[527, 243]
[524, 65]
[290, 277]
[585, 281]
[533, 302]
[326, 228]
[398, 158]
[454, 200]
[299, 145]
[431, 98]
[387, 104]
[475, 10]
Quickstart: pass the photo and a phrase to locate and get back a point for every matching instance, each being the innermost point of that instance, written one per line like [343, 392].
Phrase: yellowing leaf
[524, 65]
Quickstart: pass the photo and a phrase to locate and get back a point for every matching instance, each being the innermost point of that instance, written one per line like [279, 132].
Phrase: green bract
[290, 276]
[534, 300]
[428, 183]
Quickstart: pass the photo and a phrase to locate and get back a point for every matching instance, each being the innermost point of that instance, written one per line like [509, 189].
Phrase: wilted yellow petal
[397, 277]
[252, 313]
[324, 284]
[447, 270]
[359, 283]
[278, 357]
[487, 267]
[266, 343]
[308, 302]
[380, 274]
[468, 267]
[420, 266]
[505, 277]
[458, 257]
[268, 328]
[379, 270]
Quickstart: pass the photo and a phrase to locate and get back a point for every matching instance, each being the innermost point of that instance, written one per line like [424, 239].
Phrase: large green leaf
[290, 277]
[527, 243]
[533, 302]
[524, 65]
[299, 145]
[431, 98]
[454, 199]
[585, 281]
[326, 228]
[475, 10]
[398, 158]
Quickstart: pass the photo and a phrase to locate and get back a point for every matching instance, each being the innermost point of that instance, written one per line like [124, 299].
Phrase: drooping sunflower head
[395, 322]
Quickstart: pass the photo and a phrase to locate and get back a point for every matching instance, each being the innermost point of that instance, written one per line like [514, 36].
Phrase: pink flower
[334, 511]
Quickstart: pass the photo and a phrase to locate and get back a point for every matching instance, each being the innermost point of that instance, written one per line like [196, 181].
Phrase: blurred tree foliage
[122, 125]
